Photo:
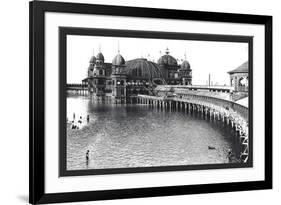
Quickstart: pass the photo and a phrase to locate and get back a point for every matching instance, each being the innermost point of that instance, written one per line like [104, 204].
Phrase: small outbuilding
[239, 78]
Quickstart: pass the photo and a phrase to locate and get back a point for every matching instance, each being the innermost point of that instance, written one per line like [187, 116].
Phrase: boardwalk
[231, 113]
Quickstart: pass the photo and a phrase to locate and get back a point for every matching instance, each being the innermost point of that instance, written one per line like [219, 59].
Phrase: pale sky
[216, 58]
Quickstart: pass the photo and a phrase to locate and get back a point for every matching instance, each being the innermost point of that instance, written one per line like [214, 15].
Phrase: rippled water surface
[121, 136]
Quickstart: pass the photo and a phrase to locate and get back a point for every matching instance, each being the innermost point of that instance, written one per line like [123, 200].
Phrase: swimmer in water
[229, 155]
[87, 155]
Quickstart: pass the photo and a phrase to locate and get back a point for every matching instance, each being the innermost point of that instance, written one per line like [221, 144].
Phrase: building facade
[121, 79]
[239, 78]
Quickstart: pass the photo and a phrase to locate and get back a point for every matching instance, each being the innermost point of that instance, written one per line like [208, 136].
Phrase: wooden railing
[225, 104]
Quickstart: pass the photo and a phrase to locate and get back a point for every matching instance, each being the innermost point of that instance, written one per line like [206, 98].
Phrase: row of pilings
[78, 91]
[207, 110]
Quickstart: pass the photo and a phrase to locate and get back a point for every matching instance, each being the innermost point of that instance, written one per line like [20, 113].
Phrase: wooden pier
[79, 89]
[227, 112]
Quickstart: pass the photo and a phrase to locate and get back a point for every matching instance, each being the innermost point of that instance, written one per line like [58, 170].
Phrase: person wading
[87, 157]
[229, 155]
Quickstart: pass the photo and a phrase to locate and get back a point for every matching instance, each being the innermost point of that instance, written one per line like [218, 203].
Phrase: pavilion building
[121, 79]
[239, 78]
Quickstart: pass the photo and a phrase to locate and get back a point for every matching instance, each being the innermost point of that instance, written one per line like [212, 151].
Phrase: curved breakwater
[139, 135]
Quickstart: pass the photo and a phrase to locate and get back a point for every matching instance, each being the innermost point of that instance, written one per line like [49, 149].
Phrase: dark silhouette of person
[87, 156]
[229, 155]
[80, 120]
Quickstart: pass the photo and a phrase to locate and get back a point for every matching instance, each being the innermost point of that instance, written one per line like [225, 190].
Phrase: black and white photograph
[146, 101]
[156, 104]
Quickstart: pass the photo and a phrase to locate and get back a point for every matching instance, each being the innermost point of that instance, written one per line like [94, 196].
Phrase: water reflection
[119, 136]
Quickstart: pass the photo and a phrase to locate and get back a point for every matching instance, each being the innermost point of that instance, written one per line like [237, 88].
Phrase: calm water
[138, 136]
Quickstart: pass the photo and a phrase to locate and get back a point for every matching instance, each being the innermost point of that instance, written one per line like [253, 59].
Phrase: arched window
[232, 81]
[242, 81]
[140, 72]
[135, 72]
[171, 75]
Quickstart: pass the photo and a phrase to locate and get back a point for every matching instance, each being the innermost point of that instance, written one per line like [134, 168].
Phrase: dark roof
[167, 60]
[93, 60]
[241, 69]
[142, 68]
[100, 56]
[185, 65]
[118, 60]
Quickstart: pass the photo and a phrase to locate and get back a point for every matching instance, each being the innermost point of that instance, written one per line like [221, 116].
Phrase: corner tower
[185, 72]
[98, 76]
[169, 68]
[119, 78]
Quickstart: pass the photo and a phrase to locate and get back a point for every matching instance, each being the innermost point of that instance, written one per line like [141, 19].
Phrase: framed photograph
[130, 102]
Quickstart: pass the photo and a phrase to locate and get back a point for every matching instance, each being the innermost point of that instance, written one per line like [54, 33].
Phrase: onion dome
[93, 60]
[118, 60]
[161, 61]
[141, 68]
[100, 57]
[185, 65]
[167, 59]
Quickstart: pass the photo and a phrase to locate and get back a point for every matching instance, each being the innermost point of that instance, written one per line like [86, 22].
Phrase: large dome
[185, 65]
[118, 60]
[142, 68]
[167, 59]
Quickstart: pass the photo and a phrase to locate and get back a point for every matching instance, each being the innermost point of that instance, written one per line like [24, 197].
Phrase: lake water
[120, 136]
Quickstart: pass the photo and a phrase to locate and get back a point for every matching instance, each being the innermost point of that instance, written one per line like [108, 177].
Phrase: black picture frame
[37, 9]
